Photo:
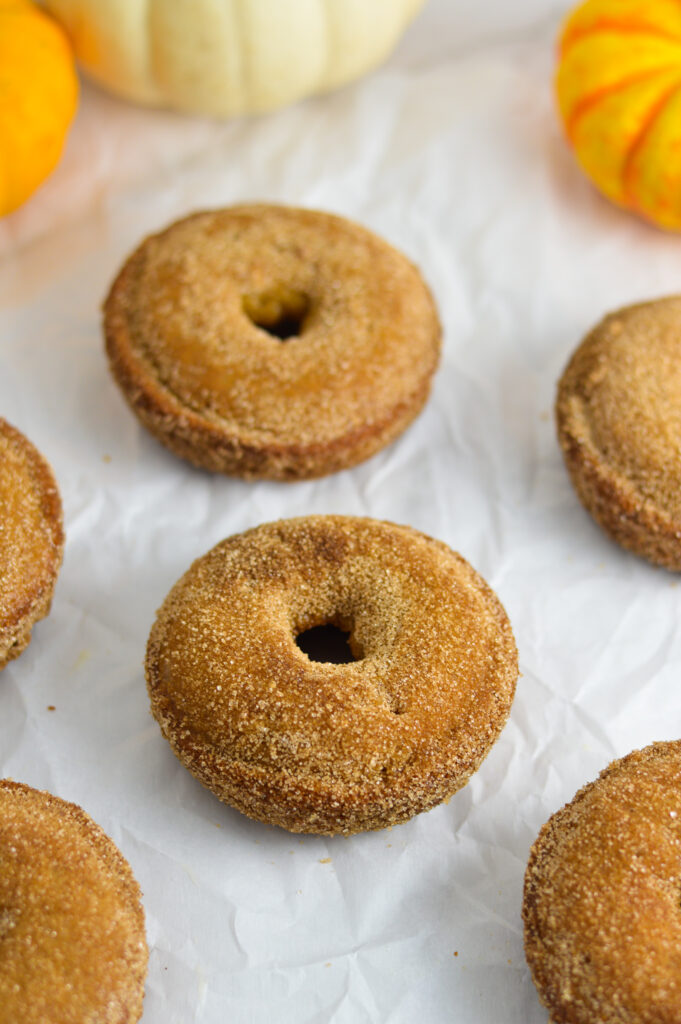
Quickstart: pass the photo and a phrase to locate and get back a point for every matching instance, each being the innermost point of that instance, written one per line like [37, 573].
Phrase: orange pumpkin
[38, 98]
[619, 92]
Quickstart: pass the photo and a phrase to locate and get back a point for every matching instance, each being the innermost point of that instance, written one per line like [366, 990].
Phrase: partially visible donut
[72, 943]
[619, 423]
[31, 540]
[602, 903]
[316, 746]
[268, 341]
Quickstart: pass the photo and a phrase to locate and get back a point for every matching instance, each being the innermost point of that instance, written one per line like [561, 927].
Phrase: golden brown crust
[181, 333]
[320, 747]
[31, 540]
[618, 413]
[72, 943]
[602, 897]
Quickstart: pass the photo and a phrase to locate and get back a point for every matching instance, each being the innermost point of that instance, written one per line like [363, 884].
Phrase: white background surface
[452, 152]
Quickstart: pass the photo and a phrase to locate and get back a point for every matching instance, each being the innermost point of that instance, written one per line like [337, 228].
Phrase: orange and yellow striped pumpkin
[38, 96]
[619, 92]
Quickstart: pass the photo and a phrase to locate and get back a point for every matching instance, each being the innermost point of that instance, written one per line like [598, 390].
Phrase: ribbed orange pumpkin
[38, 97]
[619, 93]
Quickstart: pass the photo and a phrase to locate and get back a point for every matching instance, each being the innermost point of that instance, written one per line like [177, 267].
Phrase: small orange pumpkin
[619, 93]
[38, 98]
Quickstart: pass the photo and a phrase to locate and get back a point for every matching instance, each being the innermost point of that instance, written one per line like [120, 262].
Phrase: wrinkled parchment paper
[452, 152]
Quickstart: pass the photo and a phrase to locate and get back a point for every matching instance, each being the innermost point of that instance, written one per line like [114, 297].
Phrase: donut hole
[327, 643]
[281, 311]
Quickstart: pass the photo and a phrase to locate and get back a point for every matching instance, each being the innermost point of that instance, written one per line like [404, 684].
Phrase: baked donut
[31, 540]
[267, 341]
[619, 423]
[601, 904]
[72, 944]
[312, 741]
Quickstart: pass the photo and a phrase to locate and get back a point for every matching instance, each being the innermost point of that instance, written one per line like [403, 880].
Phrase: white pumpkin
[228, 57]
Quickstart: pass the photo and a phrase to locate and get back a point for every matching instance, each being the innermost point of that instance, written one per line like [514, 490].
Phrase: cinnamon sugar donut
[31, 540]
[267, 341]
[602, 893]
[297, 739]
[619, 424]
[72, 944]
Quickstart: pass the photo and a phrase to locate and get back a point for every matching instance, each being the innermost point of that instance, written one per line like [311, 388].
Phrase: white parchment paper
[453, 153]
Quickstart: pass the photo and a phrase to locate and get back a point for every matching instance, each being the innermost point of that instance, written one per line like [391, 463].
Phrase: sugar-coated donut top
[620, 398]
[429, 693]
[31, 538]
[181, 312]
[602, 902]
[72, 944]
